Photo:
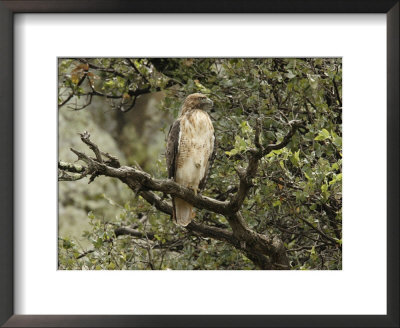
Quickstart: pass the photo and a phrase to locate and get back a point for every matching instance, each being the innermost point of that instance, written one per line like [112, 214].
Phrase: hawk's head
[196, 101]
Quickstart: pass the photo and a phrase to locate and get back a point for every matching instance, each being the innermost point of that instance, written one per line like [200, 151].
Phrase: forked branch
[265, 251]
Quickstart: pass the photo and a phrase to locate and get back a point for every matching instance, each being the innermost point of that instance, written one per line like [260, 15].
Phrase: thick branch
[156, 201]
[134, 177]
[245, 183]
[266, 252]
[73, 168]
[64, 170]
[137, 179]
[212, 232]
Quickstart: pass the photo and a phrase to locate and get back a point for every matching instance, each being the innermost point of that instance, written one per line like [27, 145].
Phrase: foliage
[297, 190]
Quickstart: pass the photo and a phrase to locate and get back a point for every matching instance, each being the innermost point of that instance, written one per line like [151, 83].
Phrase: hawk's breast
[196, 142]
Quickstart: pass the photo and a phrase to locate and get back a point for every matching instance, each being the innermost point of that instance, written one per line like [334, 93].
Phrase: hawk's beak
[210, 102]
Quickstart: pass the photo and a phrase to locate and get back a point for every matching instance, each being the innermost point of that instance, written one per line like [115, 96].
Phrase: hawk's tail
[183, 212]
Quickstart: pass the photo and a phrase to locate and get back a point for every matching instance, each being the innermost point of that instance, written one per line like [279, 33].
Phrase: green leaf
[67, 244]
[232, 152]
[337, 141]
[109, 84]
[325, 192]
[313, 80]
[274, 153]
[324, 134]
[295, 158]
[276, 203]
[290, 74]
[245, 127]
[98, 243]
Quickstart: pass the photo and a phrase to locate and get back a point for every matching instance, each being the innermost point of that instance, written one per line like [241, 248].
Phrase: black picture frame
[7, 11]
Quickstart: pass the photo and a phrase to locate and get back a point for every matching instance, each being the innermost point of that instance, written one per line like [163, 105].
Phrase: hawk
[190, 152]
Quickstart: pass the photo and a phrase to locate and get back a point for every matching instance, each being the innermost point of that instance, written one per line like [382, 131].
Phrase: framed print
[216, 165]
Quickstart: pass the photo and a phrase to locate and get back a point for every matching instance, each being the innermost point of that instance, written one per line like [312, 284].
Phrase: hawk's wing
[210, 162]
[172, 148]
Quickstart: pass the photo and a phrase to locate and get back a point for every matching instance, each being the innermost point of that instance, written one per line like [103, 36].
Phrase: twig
[85, 138]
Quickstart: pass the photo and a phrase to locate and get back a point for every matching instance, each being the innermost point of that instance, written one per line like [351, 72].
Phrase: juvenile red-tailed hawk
[190, 150]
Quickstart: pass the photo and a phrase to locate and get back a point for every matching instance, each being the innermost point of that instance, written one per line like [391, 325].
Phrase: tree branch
[294, 125]
[134, 177]
[134, 233]
[101, 69]
[85, 138]
[266, 252]
[73, 168]
[337, 92]
[254, 156]
[72, 93]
